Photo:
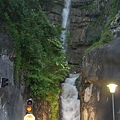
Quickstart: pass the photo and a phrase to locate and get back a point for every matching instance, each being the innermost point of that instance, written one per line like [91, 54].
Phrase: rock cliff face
[84, 13]
[55, 12]
[11, 100]
[101, 66]
[102, 63]
[95, 21]
[80, 29]
[80, 20]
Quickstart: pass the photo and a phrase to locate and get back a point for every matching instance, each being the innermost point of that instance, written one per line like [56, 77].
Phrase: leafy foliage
[38, 50]
[53, 99]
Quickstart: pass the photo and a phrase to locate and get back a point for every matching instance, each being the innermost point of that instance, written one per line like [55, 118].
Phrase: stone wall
[80, 19]
[11, 100]
[100, 66]
[55, 13]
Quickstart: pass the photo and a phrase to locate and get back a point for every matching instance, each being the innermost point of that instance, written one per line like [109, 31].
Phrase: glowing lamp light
[112, 87]
[29, 108]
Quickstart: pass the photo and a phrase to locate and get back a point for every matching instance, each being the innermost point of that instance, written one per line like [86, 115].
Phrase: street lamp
[112, 88]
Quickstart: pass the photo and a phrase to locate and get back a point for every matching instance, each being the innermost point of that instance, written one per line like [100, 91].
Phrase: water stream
[69, 99]
[65, 23]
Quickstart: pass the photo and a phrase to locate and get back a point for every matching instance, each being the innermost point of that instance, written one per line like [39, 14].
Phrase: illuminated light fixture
[29, 108]
[112, 88]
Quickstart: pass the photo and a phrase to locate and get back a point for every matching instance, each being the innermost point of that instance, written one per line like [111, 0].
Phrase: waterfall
[65, 23]
[69, 99]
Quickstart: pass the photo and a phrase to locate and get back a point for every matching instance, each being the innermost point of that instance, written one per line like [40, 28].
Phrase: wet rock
[100, 67]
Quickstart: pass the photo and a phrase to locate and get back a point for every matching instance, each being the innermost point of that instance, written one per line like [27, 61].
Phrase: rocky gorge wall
[82, 14]
[97, 67]
[87, 22]
[11, 97]
[100, 67]
[95, 21]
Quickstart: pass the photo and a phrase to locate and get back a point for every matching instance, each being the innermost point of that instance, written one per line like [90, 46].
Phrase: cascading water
[69, 102]
[65, 23]
[69, 99]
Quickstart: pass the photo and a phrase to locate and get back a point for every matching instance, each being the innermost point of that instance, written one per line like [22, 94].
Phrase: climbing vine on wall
[37, 48]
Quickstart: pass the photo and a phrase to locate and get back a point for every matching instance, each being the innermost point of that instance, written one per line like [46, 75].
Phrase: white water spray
[69, 99]
[65, 23]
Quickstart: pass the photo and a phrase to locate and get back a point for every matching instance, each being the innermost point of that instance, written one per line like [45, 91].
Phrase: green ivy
[54, 102]
[38, 50]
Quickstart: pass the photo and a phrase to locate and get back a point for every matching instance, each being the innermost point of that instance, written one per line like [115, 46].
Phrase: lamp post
[112, 88]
